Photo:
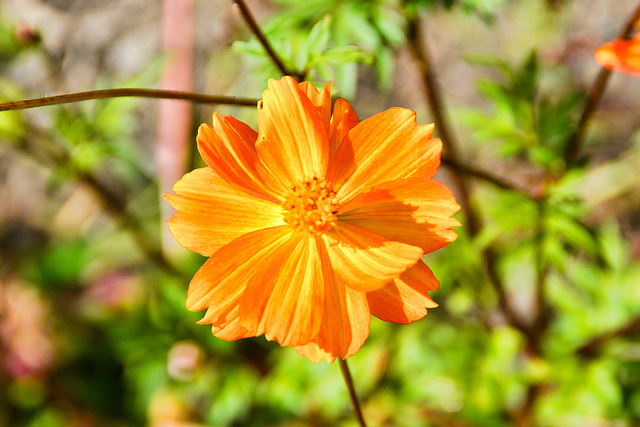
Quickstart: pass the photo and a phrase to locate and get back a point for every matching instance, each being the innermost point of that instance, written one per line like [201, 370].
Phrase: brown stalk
[24, 104]
[593, 346]
[255, 29]
[436, 104]
[344, 368]
[473, 172]
[595, 94]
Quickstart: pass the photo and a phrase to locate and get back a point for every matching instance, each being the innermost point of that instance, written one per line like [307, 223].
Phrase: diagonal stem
[466, 169]
[344, 368]
[124, 92]
[436, 104]
[595, 94]
[255, 29]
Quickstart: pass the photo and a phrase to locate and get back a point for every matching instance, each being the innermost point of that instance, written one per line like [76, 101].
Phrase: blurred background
[93, 325]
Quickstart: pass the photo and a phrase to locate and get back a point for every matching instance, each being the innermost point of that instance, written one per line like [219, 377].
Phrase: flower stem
[352, 392]
[255, 29]
[595, 94]
[123, 92]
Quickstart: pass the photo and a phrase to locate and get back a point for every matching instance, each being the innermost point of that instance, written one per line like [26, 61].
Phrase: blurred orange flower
[314, 222]
[621, 55]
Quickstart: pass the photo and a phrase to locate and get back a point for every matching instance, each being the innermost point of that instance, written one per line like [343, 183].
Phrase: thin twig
[474, 172]
[436, 104]
[255, 29]
[344, 368]
[593, 346]
[595, 94]
[542, 271]
[125, 92]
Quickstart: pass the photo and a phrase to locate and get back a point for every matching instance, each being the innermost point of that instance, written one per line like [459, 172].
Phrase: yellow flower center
[311, 206]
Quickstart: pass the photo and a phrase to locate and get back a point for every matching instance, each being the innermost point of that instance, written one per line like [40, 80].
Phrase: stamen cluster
[311, 206]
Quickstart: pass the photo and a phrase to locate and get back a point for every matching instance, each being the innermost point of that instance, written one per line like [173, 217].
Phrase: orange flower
[621, 55]
[313, 223]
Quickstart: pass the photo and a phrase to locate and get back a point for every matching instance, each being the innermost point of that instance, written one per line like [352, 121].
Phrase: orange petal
[221, 281]
[231, 329]
[284, 299]
[406, 298]
[342, 121]
[228, 147]
[321, 100]
[365, 260]
[384, 147]
[212, 213]
[415, 211]
[293, 141]
[345, 325]
[621, 55]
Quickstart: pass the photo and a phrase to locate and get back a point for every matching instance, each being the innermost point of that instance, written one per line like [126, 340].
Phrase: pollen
[311, 206]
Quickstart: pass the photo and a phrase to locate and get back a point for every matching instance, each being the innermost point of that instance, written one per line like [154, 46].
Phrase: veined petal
[212, 213]
[284, 299]
[415, 211]
[228, 327]
[366, 261]
[293, 142]
[343, 120]
[345, 325]
[221, 281]
[406, 298]
[228, 147]
[621, 55]
[384, 147]
[321, 100]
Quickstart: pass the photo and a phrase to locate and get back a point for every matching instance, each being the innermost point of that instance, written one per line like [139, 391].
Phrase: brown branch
[126, 92]
[542, 271]
[436, 104]
[595, 94]
[255, 29]
[473, 172]
[593, 346]
[344, 368]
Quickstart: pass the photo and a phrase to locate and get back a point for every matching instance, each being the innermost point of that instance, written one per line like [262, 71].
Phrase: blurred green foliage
[94, 327]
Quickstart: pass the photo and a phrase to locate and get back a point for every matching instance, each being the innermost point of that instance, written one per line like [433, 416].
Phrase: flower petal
[284, 299]
[293, 141]
[621, 55]
[230, 329]
[221, 281]
[366, 261]
[321, 100]
[212, 213]
[345, 325]
[415, 211]
[228, 147]
[406, 298]
[342, 121]
[384, 147]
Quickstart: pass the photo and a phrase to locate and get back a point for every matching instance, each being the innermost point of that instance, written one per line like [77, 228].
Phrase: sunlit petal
[405, 299]
[342, 121]
[416, 211]
[293, 141]
[228, 147]
[345, 326]
[384, 147]
[284, 299]
[212, 213]
[366, 261]
[222, 279]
